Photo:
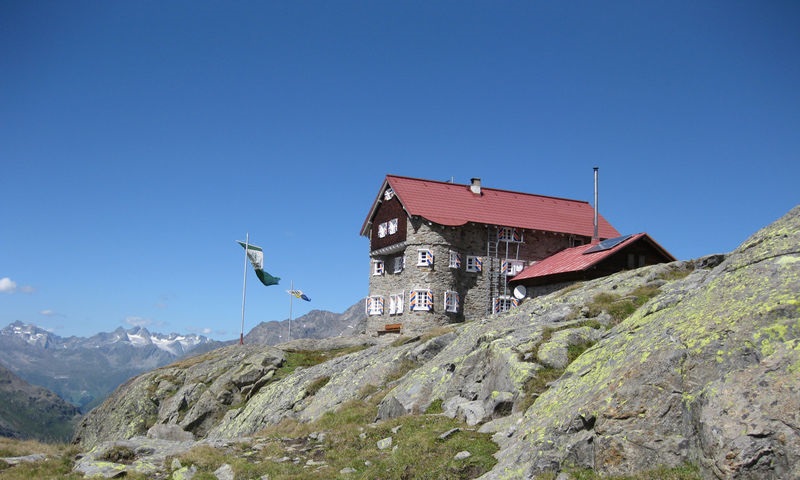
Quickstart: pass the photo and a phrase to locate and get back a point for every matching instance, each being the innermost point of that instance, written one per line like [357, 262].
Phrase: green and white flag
[256, 256]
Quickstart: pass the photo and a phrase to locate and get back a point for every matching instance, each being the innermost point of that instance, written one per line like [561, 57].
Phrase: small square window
[396, 304]
[399, 263]
[375, 305]
[474, 264]
[451, 301]
[508, 234]
[504, 303]
[425, 258]
[421, 300]
[455, 259]
[512, 267]
[377, 267]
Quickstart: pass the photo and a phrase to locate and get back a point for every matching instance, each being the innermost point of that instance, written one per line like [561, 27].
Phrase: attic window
[388, 194]
[508, 234]
[387, 228]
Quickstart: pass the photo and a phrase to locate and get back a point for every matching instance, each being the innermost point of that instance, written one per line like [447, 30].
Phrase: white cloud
[50, 313]
[10, 286]
[138, 321]
[7, 285]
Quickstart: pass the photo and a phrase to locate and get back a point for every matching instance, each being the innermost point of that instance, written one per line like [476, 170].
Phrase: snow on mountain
[174, 343]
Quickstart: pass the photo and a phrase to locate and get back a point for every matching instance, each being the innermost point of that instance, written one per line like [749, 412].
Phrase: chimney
[595, 236]
[475, 187]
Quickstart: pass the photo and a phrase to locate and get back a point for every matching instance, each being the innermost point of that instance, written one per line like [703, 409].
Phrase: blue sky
[140, 139]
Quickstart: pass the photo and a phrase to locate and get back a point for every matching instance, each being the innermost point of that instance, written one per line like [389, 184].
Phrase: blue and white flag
[299, 294]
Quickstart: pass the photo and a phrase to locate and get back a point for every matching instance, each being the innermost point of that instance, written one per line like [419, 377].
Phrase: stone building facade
[425, 273]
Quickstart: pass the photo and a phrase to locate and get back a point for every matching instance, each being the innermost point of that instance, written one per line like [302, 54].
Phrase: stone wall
[473, 288]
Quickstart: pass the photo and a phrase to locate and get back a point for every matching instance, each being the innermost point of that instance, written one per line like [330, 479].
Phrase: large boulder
[705, 373]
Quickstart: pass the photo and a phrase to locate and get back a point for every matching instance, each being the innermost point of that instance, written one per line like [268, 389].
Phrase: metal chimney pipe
[595, 236]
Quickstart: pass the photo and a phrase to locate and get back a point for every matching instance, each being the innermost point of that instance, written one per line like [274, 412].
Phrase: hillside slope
[31, 412]
[655, 366]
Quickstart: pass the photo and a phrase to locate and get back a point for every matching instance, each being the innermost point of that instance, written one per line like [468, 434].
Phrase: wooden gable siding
[388, 210]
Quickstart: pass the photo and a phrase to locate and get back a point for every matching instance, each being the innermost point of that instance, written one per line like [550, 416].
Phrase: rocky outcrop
[707, 371]
[193, 395]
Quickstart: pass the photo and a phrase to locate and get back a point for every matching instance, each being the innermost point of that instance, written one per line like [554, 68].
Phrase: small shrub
[316, 385]
[119, 454]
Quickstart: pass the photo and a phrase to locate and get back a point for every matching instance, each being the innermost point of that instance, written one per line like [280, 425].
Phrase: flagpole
[244, 285]
[291, 288]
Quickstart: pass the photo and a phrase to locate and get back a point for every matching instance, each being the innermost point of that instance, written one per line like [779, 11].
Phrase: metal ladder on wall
[493, 264]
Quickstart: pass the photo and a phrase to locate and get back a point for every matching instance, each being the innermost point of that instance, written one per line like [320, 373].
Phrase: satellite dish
[520, 291]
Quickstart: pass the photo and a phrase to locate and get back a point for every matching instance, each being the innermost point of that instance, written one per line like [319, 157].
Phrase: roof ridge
[442, 182]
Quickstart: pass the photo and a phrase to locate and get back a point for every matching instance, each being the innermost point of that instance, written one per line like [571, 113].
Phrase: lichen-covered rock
[705, 373]
[193, 394]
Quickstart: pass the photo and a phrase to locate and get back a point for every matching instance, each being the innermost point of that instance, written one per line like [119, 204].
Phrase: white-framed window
[504, 303]
[508, 234]
[398, 263]
[392, 226]
[424, 258]
[396, 304]
[388, 194]
[455, 259]
[421, 300]
[451, 301]
[377, 267]
[383, 228]
[512, 267]
[474, 264]
[375, 305]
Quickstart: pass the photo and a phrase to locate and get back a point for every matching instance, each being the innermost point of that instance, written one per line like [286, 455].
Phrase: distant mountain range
[84, 371]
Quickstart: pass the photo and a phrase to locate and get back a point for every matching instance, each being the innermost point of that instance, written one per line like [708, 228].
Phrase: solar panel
[607, 244]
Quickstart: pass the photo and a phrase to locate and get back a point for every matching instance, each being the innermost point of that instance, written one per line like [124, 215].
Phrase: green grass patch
[618, 306]
[309, 358]
[538, 384]
[435, 407]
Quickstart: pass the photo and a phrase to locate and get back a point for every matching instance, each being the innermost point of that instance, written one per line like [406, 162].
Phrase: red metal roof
[577, 259]
[454, 205]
